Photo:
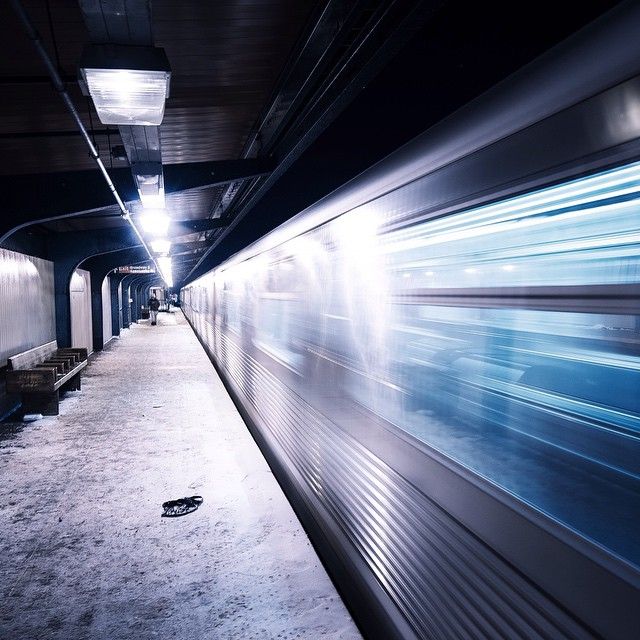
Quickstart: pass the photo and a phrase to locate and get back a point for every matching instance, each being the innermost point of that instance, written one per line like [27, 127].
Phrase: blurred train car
[441, 360]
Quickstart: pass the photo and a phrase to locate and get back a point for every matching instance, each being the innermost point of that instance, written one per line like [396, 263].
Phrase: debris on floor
[181, 506]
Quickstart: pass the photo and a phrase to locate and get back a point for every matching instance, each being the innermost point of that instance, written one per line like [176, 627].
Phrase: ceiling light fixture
[152, 200]
[156, 223]
[161, 246]
[128, 84]
[164, 264]
[150, 183]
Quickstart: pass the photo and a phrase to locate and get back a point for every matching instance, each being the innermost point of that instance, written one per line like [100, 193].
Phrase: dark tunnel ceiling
[227, 58]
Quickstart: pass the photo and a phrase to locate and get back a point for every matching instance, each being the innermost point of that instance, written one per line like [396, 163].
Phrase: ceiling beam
[58, 134]
[192, 252]
[186, 247]
[185, 227]
[36, 79]
[29, 199]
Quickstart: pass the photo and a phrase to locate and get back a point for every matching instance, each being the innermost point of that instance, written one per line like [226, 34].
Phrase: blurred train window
[513, 347]
[507, 357]
[507, 337]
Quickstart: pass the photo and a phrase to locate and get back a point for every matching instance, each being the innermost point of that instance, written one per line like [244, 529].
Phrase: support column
[69, 250]
[100, 266]
[62, 272]
[134, 305]
[114, 284]
[126, 305]
[97, 324]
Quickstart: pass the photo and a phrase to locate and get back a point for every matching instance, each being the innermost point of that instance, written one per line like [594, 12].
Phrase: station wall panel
[80, 290]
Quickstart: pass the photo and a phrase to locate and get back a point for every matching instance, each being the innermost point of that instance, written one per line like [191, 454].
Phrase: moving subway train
[441, 360]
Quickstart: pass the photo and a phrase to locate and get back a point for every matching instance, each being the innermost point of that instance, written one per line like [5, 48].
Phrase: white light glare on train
[522, 211]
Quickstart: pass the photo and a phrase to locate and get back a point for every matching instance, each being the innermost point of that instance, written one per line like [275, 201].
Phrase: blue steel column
[97, 323]
[134, 286]
[135, 312]
[68, 251]
[62, 272]
[126, 305]
[136, 300]
[99, 266]
[120, 305]
[114, 284]
[129, 284]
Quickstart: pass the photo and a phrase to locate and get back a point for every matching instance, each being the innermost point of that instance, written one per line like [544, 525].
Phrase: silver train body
[441, 360]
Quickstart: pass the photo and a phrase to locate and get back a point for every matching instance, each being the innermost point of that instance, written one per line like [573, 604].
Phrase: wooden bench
[41, 373]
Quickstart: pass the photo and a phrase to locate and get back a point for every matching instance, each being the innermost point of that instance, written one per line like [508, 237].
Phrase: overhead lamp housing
[165, 266]
[161, 246]
[155, 223]
[150, 183]
[128, 84]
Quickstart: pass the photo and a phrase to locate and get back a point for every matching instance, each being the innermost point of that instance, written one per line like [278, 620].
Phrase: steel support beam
[128, 291]
[99, 267]
[116, 305]
[135, 286]
[29, 199]
[127, 311]
[57, 134]
[186, 247]
[68, 251]
[135, 294]
[186, 227]
[128, 288]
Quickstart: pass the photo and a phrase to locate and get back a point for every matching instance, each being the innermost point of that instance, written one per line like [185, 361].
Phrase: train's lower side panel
[427, 575]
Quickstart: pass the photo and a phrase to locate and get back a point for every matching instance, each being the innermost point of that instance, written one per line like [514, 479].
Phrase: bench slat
[70, 375]
[53, 365]
[31, 357]
[81, 352]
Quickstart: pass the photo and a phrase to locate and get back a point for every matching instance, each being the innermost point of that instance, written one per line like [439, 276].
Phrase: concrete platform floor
[84, 551]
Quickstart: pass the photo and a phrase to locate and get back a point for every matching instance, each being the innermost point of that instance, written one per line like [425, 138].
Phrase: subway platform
[85, 553]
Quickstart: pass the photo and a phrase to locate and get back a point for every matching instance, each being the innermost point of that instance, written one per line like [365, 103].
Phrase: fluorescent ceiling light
[128, 97]
[161, 246]
[164, 264]
[155, 222]
[129, 85]
[152, 198]
[150, 183]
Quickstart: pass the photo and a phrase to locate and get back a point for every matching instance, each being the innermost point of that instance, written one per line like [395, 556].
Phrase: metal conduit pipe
[58, 84]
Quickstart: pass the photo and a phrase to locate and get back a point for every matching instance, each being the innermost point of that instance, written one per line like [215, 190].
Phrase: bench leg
[48, 404]
[73, 384]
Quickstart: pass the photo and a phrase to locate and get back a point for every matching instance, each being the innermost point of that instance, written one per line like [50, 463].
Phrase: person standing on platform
[154, 305]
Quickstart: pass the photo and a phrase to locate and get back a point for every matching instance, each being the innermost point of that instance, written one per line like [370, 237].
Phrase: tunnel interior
[365, 275]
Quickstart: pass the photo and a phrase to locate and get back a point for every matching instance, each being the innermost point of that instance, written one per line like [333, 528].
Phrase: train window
[507, 337]
[512, 345]
[276, 329]
[515, 347]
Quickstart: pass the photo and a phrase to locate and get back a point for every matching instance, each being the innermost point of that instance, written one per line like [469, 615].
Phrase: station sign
[135, 269]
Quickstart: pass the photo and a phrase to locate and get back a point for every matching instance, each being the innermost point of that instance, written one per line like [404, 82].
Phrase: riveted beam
[36, 198]
[99, 266]
[68, 251]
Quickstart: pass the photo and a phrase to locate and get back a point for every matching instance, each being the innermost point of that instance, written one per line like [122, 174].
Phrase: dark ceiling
[225, 59]
[317, 90]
